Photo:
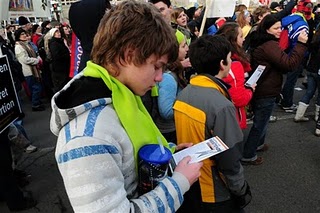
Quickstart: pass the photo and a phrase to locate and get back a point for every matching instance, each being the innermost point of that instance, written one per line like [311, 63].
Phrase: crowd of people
[39, 58]
[147, 75]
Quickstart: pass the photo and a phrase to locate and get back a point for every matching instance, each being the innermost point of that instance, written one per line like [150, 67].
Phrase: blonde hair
[241, 18]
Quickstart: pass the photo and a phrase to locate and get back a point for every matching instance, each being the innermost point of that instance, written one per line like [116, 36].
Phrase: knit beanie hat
[180, 36]
[274, 4]
[17, 33]
[23, 20]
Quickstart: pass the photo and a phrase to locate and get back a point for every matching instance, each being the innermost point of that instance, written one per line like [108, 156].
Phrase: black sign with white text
[9, 103]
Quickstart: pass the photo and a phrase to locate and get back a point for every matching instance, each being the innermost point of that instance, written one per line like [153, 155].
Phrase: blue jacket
[294, 23]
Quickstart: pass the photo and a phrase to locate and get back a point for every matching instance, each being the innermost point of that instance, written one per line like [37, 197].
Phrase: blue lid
[152, 153]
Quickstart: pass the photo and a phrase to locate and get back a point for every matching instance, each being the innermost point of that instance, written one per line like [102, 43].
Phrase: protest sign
[220, 8]
[217, 9]
[9, 103]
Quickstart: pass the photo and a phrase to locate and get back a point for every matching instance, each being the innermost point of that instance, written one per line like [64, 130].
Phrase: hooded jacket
[203, 109]
[84, 19]
[96, 157]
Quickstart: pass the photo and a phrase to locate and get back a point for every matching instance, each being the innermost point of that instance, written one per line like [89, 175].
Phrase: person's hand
[186, 63]
[253, 87]
[40, 61]
[183, 146]
[303, 37]
[190, 170]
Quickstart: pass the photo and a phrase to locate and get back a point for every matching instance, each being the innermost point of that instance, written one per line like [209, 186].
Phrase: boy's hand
[190, 170]
[303, 37]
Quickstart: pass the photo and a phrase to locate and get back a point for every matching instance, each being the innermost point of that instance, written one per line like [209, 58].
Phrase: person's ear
[129, 55]
[222, 65]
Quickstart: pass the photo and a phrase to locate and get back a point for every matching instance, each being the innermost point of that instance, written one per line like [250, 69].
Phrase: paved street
[288, 180]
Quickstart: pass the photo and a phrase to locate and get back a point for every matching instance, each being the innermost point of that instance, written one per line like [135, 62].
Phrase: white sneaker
[30, 149]
[273, 119]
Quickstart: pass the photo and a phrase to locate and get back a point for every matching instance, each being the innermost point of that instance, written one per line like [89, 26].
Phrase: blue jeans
[19, 125]
[35, 90]
[262, 109]
[313, 85]
[288, 87]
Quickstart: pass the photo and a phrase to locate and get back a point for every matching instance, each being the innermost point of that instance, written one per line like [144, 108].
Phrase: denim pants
[262, 109]
[288, 87]
[313, 84]
[35, 90]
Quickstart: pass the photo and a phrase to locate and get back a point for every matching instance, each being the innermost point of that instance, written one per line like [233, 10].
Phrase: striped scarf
[32, 54]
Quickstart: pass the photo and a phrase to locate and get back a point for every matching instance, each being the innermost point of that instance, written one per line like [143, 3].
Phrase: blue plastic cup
[153, 166]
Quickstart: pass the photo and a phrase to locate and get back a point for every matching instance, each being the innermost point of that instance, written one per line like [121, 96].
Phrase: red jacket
[35, 38]
[240, 95]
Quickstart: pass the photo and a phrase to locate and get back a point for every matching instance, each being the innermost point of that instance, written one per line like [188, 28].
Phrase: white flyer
[255, 76]
[201, 151]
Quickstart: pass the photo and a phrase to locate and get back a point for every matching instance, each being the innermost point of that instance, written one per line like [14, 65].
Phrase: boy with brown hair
[204, 109]
[101, 122]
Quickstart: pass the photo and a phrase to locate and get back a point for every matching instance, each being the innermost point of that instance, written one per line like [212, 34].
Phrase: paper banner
[76, 52]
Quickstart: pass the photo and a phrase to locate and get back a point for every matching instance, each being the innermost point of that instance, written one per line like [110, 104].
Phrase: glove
[243, 200]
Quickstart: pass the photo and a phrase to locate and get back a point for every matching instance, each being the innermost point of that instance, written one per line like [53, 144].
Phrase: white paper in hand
[201, 151]
[255, 76]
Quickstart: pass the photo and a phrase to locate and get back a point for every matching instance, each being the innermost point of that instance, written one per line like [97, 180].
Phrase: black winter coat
[313, 64]
[60, 64]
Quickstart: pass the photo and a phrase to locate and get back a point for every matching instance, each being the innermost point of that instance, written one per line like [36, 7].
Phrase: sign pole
[204, 19]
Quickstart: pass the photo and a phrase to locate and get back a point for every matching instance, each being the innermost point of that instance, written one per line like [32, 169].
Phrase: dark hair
[63, 34]
[34, 28]
[230, 31]
[44, 28]
[266, 23]
[206, 53]
[18, 32]
[167, 2]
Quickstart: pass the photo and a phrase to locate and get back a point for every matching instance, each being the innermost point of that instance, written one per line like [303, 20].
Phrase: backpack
[150, 99]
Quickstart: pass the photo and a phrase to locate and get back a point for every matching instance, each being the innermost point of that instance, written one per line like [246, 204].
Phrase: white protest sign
[220, 8]
[245, 2]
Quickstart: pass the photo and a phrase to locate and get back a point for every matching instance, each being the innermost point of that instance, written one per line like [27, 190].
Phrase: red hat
[305, 7]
